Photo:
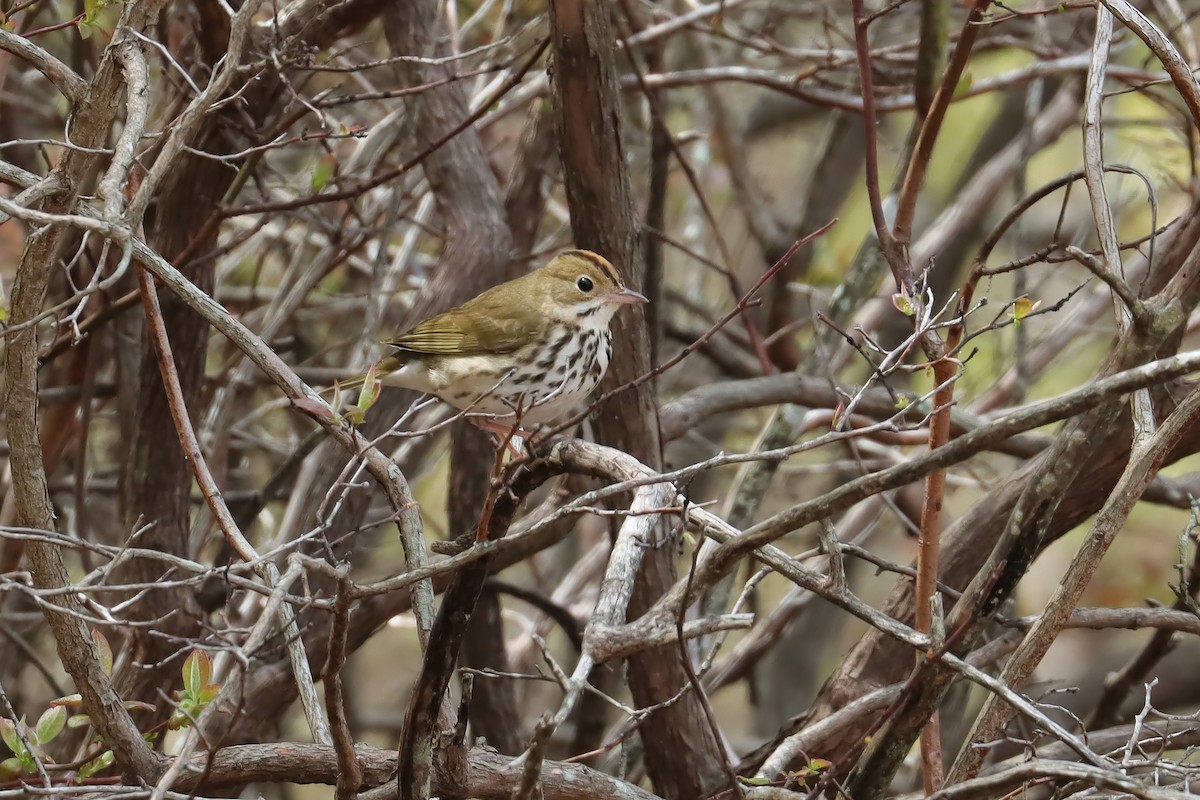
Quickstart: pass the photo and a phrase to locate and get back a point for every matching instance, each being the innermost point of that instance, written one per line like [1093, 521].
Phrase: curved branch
[490, 776]
[73, 87]
[72, 637]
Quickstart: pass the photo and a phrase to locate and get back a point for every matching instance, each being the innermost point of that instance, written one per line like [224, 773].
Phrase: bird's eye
[584, 283]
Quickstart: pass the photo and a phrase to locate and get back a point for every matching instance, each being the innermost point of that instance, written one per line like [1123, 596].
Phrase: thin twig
[220, 511]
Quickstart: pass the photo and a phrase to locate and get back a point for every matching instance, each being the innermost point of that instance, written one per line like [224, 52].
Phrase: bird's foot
[513, 438]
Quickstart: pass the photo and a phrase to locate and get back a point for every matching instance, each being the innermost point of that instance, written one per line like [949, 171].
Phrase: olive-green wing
[463, 333]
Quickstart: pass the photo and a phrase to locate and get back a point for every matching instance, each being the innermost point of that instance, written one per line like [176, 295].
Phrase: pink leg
[515, 438]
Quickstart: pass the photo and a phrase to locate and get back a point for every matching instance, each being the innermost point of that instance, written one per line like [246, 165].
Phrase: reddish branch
[945, 371]
[931, 125]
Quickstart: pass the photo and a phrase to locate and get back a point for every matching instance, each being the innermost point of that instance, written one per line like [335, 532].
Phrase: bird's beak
[627, 297]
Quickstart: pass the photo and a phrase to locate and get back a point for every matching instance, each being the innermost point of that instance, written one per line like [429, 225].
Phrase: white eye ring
[584, 283]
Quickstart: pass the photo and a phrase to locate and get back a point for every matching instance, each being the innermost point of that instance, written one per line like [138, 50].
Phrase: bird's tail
[352, 382]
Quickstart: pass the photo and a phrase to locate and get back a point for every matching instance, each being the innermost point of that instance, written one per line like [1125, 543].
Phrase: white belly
[541, 387]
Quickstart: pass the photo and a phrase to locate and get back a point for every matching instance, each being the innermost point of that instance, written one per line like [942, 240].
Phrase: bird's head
[583, 286]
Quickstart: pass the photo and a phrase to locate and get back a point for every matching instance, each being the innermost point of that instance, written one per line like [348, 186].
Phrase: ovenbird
[527, 351]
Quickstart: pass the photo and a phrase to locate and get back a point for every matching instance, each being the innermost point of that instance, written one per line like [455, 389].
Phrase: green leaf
[50, 724]
[818, 765]
[1022, 307]
[28, 763]
[197, 672]
[904, 304]
[323, 171]
[367, 396]
[10, 768]
[78, 721]
[105, 651]
[92, 9]
[370, 391]
[97, 764]
[98, 16]
[8, 732]
[196, 693]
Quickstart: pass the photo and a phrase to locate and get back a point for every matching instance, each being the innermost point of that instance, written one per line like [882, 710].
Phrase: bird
[521, 354]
